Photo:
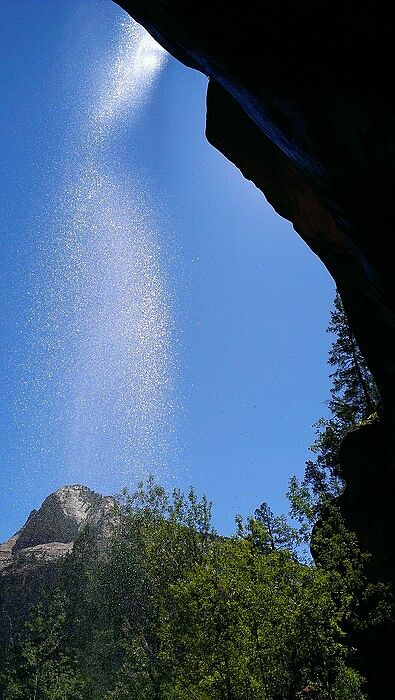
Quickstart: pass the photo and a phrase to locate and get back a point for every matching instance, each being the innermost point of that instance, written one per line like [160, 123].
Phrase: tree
[317, 504]
[173, 611]
[272, 532]
[354, 399]
[252, 623]
[41, 665]
[160, 537]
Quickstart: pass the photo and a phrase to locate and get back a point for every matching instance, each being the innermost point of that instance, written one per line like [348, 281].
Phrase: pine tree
[354, 394]
[354, 399]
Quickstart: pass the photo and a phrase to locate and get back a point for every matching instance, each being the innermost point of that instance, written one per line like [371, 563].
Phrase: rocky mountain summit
[50, 531]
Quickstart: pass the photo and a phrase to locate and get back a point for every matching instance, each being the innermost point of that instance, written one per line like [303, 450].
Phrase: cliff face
[29, 560]
[298, 101]
[50, 532]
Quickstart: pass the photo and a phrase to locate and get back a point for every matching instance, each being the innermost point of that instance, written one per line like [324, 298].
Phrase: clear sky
[156, 314]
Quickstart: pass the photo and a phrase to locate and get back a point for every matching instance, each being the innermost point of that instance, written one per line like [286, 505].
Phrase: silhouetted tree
[354, 399]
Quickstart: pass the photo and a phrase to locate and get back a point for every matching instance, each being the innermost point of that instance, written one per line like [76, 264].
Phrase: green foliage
[159, 538]
[41, 666]
[354, 400]
[354, 395]
[174, 611]
[208, 617]
[253, 625]
[365, 603]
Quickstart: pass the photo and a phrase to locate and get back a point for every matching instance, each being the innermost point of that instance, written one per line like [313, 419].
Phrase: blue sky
[117, 208]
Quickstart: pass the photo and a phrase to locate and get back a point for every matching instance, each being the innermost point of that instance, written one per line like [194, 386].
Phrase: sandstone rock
[299, 103]
[50, 532]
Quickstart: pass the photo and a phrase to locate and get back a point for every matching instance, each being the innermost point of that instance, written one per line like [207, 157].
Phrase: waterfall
[104, 318]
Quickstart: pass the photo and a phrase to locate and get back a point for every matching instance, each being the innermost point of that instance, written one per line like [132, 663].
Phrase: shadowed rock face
[297, 100]
[50, 532]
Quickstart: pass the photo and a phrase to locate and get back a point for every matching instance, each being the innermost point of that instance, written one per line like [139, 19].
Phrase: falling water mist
[104, 319]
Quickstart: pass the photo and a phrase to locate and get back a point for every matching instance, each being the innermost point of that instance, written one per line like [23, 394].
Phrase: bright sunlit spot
[149, 56]
[138, 62]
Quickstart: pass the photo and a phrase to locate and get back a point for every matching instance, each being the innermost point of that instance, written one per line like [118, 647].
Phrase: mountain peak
[77, 501]
[51, 530]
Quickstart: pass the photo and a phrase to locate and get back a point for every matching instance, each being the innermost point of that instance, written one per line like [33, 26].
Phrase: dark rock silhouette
[296, 101]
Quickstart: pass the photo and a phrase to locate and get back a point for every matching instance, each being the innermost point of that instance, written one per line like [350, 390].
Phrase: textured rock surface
[50, 531]
[298, 102]
[29, 560]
